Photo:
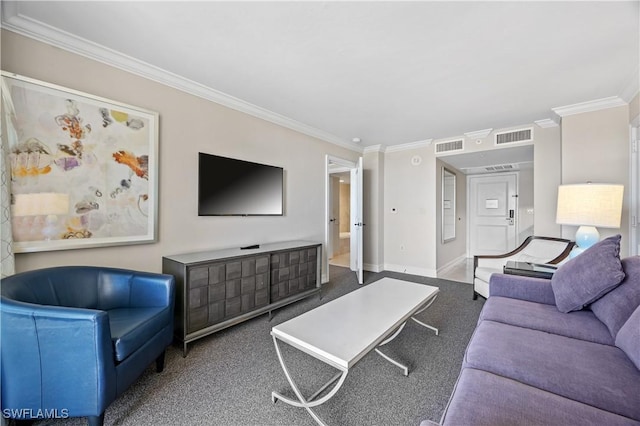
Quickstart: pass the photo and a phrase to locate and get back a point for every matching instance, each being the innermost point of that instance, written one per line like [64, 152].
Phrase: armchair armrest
[534, 248]
[152, 290]
[525, 288]
[56, 357]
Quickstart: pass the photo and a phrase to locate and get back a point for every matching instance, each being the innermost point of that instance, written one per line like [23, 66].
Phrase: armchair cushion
[485, 273]
[588, 276]
[131, 328]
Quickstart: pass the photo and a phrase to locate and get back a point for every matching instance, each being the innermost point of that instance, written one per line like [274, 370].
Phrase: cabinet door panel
[248, 302]
[217, 273]
[249, 267]
[198, 297]
[248, 285]
[198, 318]
[262, 281]
[262, 264]
[234, 270]
[232, 306]
[217, 292]
[262, 297]
[233, 288]
[198, 277]
[293, 286]
[216, 312]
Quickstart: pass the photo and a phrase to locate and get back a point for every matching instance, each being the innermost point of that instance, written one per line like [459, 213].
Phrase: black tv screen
[230, 187]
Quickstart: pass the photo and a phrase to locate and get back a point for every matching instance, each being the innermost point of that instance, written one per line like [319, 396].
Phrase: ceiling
[388, 73]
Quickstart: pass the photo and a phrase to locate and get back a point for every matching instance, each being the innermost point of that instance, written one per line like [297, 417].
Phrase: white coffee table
[344, 330]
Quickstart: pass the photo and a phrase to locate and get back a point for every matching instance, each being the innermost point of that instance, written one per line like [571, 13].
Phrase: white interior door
[334, 217]
[493, 213]
[356, 220]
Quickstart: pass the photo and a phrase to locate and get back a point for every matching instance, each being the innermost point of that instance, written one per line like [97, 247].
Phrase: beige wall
[345, 207]
[449, 252]
[634, 110]
[525, 204]
[547, 175]
[373, 256]
[188, 124]
[410, 231]
[595, 147]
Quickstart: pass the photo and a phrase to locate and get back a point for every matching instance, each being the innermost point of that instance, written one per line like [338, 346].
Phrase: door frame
[346, 165]
[634, 190]
[470, 198]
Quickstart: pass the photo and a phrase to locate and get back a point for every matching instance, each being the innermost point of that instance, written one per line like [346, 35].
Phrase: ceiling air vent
[450, 146]
[515, 136]
[500, 168]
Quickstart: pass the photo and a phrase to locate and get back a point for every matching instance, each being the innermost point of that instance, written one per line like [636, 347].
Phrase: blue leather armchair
[74, 338]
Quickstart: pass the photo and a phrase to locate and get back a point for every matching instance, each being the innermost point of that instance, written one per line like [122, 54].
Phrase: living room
[588, 141]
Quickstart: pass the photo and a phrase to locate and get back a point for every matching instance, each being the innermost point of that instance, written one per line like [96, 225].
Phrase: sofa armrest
[525, 288]
[56, 357]
[152, 290]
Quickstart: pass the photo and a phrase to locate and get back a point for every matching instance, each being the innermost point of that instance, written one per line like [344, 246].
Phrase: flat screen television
[231, 187]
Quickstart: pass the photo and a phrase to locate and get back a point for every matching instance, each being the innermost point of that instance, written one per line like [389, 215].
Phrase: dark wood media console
[221, 288]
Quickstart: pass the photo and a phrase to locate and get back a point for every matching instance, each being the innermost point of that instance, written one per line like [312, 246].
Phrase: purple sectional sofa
[528, 363]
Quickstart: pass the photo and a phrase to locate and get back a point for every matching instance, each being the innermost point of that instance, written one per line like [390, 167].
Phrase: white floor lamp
[589, 206]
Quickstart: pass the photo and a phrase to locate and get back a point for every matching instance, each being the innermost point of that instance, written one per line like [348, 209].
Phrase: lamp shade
[590, 204]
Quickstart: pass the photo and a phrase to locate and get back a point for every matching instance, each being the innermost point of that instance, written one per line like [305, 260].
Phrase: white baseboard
[372, 267]
[412, 270]
[451, 264]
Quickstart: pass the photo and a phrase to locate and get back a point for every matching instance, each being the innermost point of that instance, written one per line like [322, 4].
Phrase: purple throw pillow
[615, 307]
[628, 338]
[588, 276]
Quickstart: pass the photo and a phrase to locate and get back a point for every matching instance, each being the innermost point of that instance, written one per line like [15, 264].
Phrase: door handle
[333, 219]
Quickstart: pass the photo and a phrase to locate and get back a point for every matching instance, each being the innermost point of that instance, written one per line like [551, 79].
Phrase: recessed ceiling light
[356, 140]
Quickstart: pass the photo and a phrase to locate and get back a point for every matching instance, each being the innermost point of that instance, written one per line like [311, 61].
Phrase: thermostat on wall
[416, 160]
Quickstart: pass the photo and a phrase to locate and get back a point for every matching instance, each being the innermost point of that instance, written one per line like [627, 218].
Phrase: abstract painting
[83, 168]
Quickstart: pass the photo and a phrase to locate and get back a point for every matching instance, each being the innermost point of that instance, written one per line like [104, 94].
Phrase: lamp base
[585, 238]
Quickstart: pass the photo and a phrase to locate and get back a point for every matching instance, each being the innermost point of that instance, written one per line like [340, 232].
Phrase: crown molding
[374, 148]
[595, 105]
[410, 145]
[13, 21]
[478, 134]
[546, 123]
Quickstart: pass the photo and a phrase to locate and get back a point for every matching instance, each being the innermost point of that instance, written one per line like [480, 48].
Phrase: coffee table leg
[307, 404]
[404, 368]
[422, 310]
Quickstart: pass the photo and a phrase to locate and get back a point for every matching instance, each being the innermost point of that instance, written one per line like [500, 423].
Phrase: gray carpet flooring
[227, 378]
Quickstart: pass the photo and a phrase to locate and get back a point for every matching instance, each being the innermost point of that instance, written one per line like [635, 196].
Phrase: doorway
[493, 213]
[340, 232]
[343, 225]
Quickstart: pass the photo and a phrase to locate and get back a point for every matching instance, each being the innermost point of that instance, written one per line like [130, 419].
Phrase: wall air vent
[449, 146]
[514, 136]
